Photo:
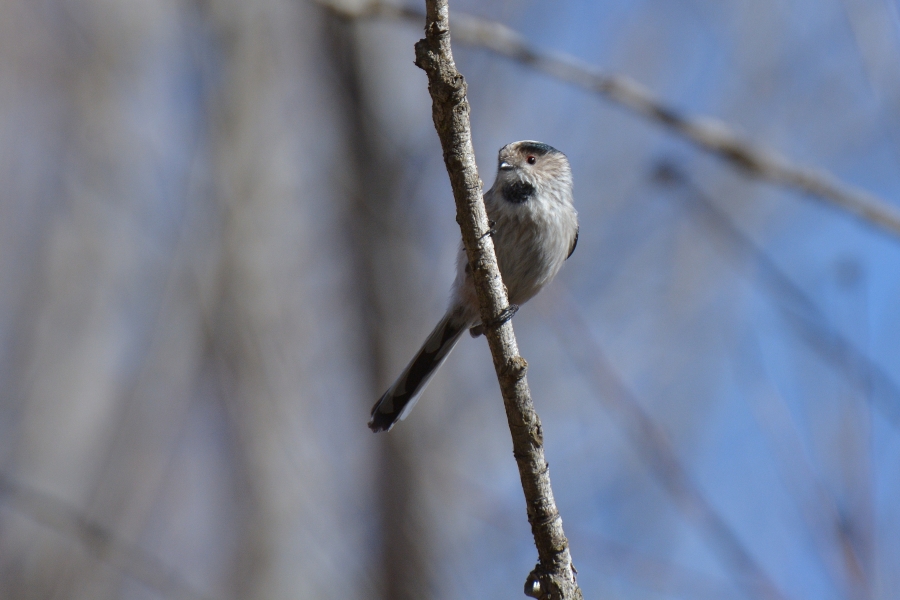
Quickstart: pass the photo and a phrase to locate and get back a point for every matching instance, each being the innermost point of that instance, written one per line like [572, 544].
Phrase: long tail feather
[396, 403]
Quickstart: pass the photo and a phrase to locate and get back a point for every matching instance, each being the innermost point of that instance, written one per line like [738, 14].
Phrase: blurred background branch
[66, 521]
[652, 444]
[709, 134]
[224, 224]
[379, 237]
[800, 310]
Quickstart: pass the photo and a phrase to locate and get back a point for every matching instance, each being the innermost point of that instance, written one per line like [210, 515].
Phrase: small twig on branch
[554, 576]
[709, 134]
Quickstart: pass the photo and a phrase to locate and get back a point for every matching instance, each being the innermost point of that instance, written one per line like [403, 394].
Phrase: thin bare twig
[554, 576]
[830, 528]
[817, 502]
[799, 308]
[709, 134]
[651, 442]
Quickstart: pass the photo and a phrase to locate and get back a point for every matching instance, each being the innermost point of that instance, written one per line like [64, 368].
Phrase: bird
[534, 226]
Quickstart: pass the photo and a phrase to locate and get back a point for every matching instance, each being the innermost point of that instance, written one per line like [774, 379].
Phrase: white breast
[532, 240]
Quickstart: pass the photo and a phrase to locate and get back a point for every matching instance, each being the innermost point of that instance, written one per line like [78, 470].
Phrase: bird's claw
[505, 315]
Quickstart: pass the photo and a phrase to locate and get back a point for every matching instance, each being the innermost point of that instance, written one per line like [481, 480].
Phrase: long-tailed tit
[535, 229]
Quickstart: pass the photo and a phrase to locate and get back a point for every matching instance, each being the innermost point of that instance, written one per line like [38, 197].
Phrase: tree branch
[554, 576]
[709, 134]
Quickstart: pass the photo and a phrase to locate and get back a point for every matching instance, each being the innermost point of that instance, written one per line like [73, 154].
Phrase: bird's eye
[531, 160]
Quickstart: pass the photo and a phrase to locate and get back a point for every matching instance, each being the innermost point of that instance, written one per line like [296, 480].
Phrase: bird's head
[526, 168]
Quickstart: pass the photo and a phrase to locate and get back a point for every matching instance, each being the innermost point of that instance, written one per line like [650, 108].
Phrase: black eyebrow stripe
[538, 148]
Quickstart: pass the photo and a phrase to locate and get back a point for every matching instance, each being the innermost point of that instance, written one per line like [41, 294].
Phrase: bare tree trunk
[379, 247]
[259, 307]
[77, 389]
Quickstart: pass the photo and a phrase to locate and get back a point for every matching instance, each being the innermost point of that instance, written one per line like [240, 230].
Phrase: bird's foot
[505, 315]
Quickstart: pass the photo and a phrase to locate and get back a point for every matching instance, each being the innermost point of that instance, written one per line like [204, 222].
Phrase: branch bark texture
[554, 577]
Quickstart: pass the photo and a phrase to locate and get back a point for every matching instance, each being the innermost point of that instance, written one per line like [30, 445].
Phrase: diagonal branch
[554, 576]
[709, 134]
[103, 543]
[801, 311]
[654, 447]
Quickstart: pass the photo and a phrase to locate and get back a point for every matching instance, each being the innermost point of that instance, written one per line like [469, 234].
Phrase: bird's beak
[504, 166]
